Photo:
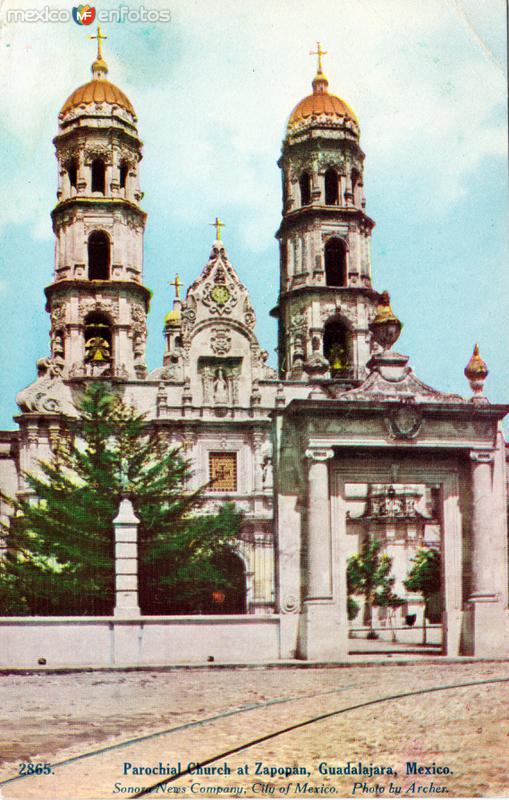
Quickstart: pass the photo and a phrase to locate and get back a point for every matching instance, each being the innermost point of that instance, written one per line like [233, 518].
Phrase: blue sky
[213, 89]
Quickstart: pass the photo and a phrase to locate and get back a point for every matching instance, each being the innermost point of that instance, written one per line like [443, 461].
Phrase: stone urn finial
[386, 327]
[476, 373]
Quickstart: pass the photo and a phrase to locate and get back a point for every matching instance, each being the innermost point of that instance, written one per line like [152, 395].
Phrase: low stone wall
[143, 641]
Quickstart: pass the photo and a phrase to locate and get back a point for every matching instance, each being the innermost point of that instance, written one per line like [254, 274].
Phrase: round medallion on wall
[405, 422]
[220, 295]
[289, 604]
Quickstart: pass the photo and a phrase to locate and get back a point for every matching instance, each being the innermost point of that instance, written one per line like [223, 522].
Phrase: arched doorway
[199, 596]
[232, 599]
[98, 256]
[335, 262]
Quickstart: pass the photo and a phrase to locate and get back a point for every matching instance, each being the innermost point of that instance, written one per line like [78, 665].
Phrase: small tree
[368, 575]
[60, 557]
[424, 577]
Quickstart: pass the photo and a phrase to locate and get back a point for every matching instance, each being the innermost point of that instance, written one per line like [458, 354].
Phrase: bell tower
[326, 300]
[97, 301]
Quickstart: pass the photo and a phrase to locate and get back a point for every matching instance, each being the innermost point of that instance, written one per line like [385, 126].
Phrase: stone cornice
[321, 289]
[84, 130]
[110, 202]
[92, 287]
[465, 410]
[325, 213]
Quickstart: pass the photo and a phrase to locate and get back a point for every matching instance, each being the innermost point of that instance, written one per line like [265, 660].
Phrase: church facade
[341, 442]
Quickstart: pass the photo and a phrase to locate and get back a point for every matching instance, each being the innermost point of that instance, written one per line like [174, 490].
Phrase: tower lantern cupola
[97, 300]
[326, 301]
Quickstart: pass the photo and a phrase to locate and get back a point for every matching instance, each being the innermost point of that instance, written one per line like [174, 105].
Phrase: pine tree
[369, 575]
[60, 542]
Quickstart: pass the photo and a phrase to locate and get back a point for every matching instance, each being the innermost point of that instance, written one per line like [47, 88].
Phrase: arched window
[98, 176]
[305, 189]
[98, 256]
[124, 169]
[98, 339]
[335, 347]
[331, 187]
[72, 171]
[335, 262]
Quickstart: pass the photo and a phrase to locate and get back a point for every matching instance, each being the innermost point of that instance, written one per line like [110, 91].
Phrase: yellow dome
[318, 104]
[97, 91]
[172, 317]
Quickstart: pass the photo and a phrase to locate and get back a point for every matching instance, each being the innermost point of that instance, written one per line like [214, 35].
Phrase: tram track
[228, 713]
[185, 727]
[313, 720]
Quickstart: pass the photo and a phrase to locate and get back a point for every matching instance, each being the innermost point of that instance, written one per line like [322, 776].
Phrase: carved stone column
[486, 615]
[324, 629]
[319, 577]
[482, 557]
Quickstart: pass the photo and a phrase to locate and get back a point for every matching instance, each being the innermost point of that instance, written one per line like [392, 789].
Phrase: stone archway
[474, 542]
[380, 470]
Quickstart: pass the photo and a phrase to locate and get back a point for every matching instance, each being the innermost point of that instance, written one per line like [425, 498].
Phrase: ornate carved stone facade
[342, 409]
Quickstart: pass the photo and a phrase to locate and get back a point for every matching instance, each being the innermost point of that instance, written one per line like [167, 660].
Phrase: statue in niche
[267, 480]
[58, 346]
[97, 349]
[138, 347]
[220, 388]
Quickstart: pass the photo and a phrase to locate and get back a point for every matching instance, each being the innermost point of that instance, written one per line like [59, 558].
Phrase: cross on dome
[320, 82]
[99, 67]
[319, 53]
[177, 283]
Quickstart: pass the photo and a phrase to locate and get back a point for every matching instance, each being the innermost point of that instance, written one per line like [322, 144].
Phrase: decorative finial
[177, 283]
[476, 373]
[217, 224]
[99, 67]
[319, 53]
[320, 82]
[386, 327]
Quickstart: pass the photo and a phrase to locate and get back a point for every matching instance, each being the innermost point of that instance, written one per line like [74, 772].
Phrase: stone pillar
[319, 578]
[486, 616]
[126, 561]
[324, 627]
[482, 465]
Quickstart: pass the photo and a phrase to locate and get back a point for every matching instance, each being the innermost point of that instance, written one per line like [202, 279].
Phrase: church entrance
[393, 558]
[399, 537]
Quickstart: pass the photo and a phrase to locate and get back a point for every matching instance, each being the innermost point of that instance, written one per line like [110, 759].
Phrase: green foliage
[424, 575]
[369, 575]
[352, 608]
[60, 542]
